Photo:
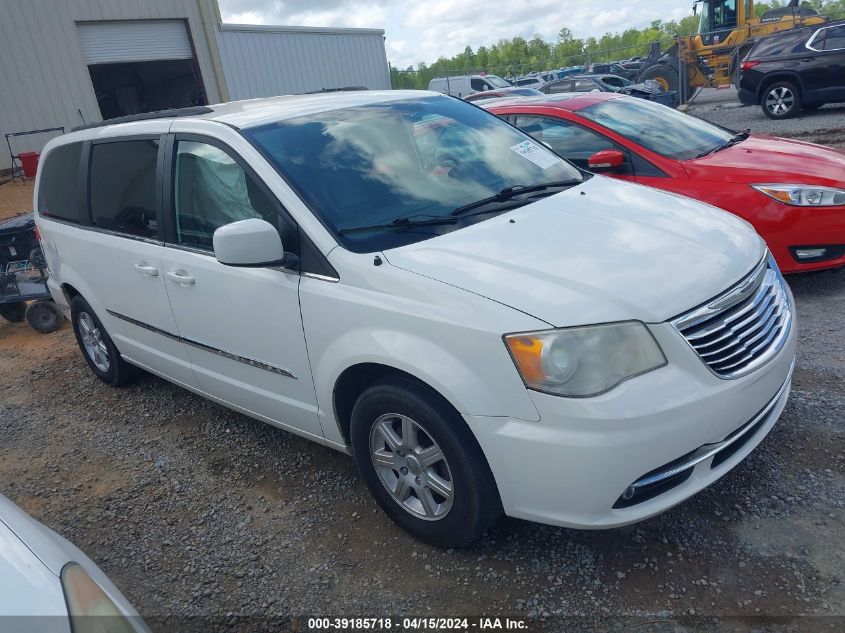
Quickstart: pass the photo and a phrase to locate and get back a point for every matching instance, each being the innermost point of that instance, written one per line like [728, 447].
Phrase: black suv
[799, 69]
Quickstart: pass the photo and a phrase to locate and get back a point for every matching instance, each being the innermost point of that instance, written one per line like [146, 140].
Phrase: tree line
[519, 56]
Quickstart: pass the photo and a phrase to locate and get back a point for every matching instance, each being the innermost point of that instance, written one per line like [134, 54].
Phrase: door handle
[181, 277]
[145, 269]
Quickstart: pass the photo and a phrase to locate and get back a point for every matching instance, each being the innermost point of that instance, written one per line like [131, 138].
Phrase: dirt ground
[15, 198]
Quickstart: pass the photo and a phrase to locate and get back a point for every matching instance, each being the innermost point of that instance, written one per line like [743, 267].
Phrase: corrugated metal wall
[43, 78]
[263, 61]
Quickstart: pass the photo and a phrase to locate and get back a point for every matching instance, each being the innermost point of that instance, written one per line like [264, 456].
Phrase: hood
[603, 251]
[767, 159]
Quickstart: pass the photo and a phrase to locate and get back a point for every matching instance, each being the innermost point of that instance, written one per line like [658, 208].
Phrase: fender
[770, 78]
[435, 365]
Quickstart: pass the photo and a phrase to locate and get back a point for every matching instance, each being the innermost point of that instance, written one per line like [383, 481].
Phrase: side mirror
[607, 161]
[250, 242]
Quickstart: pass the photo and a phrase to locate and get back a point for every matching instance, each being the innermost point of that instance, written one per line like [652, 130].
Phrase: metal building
[68, 62]
[261, 61]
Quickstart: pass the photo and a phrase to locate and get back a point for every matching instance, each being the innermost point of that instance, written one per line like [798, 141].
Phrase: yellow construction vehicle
[726, 31]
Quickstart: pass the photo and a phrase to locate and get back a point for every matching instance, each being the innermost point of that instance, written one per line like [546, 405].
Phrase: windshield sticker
[537, 154]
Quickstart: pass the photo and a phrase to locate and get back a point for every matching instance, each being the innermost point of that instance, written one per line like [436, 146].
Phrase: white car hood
[603, 251]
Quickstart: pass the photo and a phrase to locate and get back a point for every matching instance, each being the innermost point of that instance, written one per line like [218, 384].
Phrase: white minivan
[467, 84]
[404, 277]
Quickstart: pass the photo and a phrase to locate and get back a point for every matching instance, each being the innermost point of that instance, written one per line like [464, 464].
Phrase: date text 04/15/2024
[420, 623]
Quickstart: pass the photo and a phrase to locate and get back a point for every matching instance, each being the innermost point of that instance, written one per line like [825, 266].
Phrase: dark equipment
[23, 277]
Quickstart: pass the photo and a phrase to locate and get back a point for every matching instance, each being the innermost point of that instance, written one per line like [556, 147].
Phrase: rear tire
[781, 100]
[432, 478]
[97, 347]
[44, 316]
[13, 312]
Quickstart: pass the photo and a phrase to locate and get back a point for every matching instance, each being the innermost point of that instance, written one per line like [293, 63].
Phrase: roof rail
[146, 116]
[343, 89]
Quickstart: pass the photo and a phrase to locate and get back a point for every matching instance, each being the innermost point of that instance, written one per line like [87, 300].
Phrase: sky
[423, 30]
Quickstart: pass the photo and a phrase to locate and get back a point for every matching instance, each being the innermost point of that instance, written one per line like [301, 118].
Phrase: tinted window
[478, 84]
[560, 86]
[124, 195]
[661, 129]
[834, 38]
[411, 158]
[571, 141]
[58, 188]
[584, 85]
[211, 189]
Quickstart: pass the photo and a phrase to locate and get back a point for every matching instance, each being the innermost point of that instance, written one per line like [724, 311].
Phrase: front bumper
[573, 467]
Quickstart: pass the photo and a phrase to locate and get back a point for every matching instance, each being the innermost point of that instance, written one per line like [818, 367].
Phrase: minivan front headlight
[584, 361]
[804, 195]
[90, 609]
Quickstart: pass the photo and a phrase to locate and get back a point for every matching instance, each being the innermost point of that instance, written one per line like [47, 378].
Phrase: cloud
[419, 30]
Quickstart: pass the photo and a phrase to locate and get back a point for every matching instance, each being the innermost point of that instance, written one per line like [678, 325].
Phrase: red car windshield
[658, 128]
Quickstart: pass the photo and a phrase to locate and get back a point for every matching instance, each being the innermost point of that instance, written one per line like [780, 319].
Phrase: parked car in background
[610, 83]
[464, 311]
[794, 70]
[467, 84]
[535, 82]
[613, 69]
[792, 192]
[504, 92]
[50, 586]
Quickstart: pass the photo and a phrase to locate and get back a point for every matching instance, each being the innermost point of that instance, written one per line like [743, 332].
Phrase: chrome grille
[744, 327]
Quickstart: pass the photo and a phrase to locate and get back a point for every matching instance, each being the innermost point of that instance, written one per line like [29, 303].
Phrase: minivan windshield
[661, 129]
[405, 167]
[497, 82]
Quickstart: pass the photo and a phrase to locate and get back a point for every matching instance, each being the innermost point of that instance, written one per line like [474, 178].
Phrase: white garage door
[134, 41]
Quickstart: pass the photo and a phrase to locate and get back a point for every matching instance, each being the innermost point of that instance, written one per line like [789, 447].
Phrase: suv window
[123, 187]
[834, 39]
[584, 85]
[560, 86]
[211, 189]
[58, 189]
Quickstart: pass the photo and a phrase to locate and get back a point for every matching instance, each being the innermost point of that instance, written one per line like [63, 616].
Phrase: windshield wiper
[736, 138]
[400, 223]
[509, 193]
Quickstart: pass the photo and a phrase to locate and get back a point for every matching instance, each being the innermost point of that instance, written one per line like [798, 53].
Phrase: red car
[792, 192]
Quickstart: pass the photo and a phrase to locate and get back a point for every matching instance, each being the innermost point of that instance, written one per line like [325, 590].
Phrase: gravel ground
[197, 511]
[721, 106]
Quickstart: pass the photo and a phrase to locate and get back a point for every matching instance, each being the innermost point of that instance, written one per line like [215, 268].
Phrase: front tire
[781, 100]
[97, 347]
[422, 464]
[667, 78]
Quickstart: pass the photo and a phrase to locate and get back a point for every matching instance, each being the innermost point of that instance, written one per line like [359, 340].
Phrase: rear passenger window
[58, 189]
[834, 38]
[211, 190]
[124, 194]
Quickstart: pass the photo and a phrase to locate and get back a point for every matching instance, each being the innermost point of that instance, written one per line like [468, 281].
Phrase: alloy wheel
[780, 100]
[411, 466]
[92, 340]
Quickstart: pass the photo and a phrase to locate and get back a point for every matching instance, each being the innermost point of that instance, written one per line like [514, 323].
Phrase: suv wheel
[422, 464]
[97, 347]
[781, 100]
